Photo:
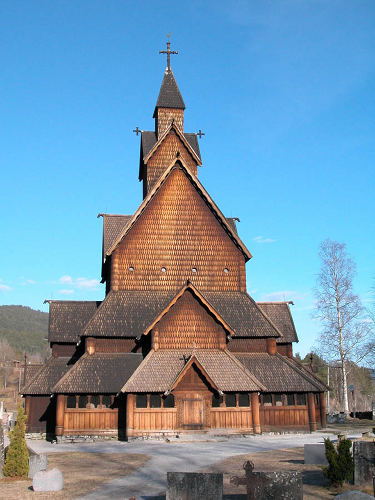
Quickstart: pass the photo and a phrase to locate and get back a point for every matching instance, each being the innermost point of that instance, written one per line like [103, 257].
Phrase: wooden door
[193, 413]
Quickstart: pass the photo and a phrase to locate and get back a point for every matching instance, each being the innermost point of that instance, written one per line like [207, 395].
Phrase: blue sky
[284, 91]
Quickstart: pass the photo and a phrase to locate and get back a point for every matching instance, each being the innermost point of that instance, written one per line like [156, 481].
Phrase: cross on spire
[137, 130]
[168, 52]
[200, 133]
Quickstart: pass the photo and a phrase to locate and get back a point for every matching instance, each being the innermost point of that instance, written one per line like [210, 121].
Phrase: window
[106, 400]
[82, 401]
[230, 400]
[290, 400]
[141, 401]
[317, 399]
[194, 270]
[301, 399]
[94, 401]
[226, 270]
[155, 401]
[267, 399]
[168, 402]
[278, 399]
[243, 400]
[163, 269]
[71, 402]
[216, 400]
[131, 268]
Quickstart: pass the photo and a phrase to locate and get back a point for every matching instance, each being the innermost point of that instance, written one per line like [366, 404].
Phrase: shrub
[340, 461]
[17, 457]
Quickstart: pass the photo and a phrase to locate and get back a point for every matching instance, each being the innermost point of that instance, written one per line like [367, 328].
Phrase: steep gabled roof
[47, 376]
[173, 127]
[149, 139]
[169, 95]
[98, 373]
[160, 371]
[203, 193]
[113, 224]
[191, 288]
[67, 319]
[279, 313]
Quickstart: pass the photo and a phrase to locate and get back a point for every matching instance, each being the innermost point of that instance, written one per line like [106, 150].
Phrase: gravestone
[51, 480]
[36, 462]
[194, 486]
[315, 454]
[283, 485]
[364, 461]
[353, 495]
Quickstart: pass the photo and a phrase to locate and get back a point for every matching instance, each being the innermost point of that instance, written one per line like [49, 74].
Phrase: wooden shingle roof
[280, 374]
[126, 313]
[149, 139]
[67, 318]
[279, 313]
[179, 163]
[160, 369]
[113, 224]
[47, 376]
[99, 373]
[169, 95]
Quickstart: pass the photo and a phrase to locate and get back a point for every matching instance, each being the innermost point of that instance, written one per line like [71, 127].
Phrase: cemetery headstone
[51, 480]
[315, 454]
[194, 486]
[36, 462]
[283, 485]
[2, 451]
[364, 461]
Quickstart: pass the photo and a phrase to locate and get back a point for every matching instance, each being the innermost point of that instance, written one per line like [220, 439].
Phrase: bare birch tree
[345, 335]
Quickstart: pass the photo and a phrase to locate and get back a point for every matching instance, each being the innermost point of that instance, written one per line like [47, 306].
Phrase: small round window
[131, 269]
[163, 270]
[194, 270]
[226, 270]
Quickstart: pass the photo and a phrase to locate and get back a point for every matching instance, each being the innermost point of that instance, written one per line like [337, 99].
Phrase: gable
[177, 235]
[187, 324]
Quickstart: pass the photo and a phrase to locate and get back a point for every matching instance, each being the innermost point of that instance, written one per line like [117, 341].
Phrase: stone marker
[364, 461]
[2, 451]
[194, 486]
[51, 480]
[281, 485]
[353, 495]
[315, 454]
[36, 462]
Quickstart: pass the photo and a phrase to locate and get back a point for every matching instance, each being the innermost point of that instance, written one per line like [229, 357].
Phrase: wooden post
[60, 408]
[130, 398]
[255, 412]
[90, 345]
[289, 350]
[311, 410]
[27, 411]
[323, 413]
[271, 345]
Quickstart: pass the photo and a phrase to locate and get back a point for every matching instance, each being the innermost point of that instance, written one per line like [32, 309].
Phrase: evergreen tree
[17, 457]
[340, 460]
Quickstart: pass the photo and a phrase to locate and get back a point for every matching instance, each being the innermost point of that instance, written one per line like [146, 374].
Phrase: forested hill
[24, 328]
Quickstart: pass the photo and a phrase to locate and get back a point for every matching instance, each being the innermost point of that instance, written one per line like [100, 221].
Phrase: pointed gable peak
[169, 95]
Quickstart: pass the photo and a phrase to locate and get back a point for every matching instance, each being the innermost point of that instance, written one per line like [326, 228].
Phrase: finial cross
[168, 52]
[137, 130]
[200, 133]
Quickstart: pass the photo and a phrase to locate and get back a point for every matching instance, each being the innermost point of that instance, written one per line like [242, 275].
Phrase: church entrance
[193, 412]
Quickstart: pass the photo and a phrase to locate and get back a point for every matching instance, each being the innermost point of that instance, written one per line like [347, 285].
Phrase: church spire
[169, 105]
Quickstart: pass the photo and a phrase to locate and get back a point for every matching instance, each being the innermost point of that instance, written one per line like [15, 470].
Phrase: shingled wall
[178, 232]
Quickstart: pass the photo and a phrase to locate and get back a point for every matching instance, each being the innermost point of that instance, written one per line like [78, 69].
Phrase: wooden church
[177, 344]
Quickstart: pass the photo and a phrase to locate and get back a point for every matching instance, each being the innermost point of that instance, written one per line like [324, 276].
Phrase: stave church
[177, 345]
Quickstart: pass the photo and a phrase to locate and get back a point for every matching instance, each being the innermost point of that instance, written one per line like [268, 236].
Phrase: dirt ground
[315, 485]
[83, 472]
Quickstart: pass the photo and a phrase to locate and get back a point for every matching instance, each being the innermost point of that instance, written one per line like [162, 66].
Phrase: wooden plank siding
[231, 418]
[173, 237]
[154, 420]
[272, 417]
[90, 421]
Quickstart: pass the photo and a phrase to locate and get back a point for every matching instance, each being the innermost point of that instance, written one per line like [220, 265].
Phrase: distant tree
[345, 335]
[17, 457]
[7, 355]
